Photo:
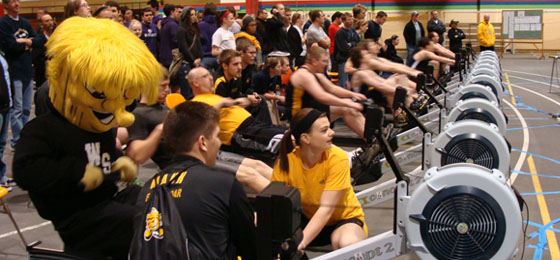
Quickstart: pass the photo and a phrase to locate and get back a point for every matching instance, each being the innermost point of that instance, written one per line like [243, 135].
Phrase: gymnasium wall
[398, 11]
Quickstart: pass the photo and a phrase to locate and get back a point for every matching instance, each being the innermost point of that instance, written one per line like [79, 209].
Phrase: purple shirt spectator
[156, 19]
[149, 36]
[168, 40]
[207, 28]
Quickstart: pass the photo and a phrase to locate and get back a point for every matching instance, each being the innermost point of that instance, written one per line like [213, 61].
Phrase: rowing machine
[416, 216]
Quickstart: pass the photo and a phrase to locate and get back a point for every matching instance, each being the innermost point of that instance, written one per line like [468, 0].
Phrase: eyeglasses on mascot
[67, 159]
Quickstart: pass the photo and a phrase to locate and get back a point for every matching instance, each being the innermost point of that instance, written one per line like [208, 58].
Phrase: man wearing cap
[413, 31]
[436, 25]
[485, 34]
[455, 36]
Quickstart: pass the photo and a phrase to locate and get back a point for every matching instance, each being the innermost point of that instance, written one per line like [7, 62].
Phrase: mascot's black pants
[104, 230]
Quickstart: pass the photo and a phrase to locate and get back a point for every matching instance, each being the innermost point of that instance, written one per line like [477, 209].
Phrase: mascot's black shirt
[50, 160]
[213, 206]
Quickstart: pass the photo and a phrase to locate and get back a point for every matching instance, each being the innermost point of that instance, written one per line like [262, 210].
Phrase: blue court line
[536, 155]
[540, 247]
[521, 106]
[531, 223]
[534, 174]
[531, 127]
[533, 246]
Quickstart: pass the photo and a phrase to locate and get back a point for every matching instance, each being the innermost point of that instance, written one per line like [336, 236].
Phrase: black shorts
[324, 237]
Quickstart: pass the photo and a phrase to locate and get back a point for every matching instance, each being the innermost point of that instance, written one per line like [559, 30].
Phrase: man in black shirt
[436, 25]
[231, 85]
[38, 53]
[248, 55]
[344, 39]
[455, 36]
[374, 26]
[413, 32]
[276, 40]
[213, 206]
[17, 37]
[261, 25]
[145, 139]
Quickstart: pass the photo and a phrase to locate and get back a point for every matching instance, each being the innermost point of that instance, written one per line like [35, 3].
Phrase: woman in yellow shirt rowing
[321, 173]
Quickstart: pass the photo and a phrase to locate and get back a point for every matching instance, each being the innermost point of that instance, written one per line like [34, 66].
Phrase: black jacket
[391, 52]
[18, 57]
[410, 33]
[214, 209]
[276, 38]
[261, 30]
[185, 38]
[438, 27]
[344, 40]
[39, 55]
[294, 41]
[455, 39]
[374, 31]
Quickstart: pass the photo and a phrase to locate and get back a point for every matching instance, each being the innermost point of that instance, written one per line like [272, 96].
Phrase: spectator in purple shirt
[154, 6]
[168, 33]
[207, 28]
[149, 31]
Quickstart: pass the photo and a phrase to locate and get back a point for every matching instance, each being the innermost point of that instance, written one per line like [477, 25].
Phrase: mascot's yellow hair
[103, 55]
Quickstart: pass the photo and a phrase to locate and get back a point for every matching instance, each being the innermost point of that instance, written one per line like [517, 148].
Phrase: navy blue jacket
[207, 28]
[168, 40]
[19, 59]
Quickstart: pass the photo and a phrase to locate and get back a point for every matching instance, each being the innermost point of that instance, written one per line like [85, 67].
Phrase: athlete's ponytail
[286, 147]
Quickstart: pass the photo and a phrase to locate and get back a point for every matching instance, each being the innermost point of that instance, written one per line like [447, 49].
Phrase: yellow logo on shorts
[154, 225]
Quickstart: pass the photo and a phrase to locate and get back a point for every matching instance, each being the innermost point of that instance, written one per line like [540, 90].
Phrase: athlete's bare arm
[386, 65]
[305, 80]
[444, 51]
[424, 55]
[337, 90]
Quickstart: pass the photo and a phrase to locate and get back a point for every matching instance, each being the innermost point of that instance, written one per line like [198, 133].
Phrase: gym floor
[531, 132]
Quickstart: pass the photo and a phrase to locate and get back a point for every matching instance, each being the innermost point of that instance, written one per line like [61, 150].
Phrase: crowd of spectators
[274, 60]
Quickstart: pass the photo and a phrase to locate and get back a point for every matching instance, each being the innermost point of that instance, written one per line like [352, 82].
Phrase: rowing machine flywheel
[463, 211]
[469, 141]
[478, 109]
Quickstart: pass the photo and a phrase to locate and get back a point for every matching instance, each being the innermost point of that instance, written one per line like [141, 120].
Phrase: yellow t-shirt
[330, 173]
[230, 117]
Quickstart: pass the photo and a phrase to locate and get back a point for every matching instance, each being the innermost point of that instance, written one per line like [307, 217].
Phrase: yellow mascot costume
[66, 158]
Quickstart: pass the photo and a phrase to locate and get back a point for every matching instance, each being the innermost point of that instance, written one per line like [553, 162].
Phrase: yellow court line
[550, 235]
[510, 90]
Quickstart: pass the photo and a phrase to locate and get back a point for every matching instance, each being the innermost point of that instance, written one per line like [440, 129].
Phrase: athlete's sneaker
[362, 161]
[420, 102]
[401, 120]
